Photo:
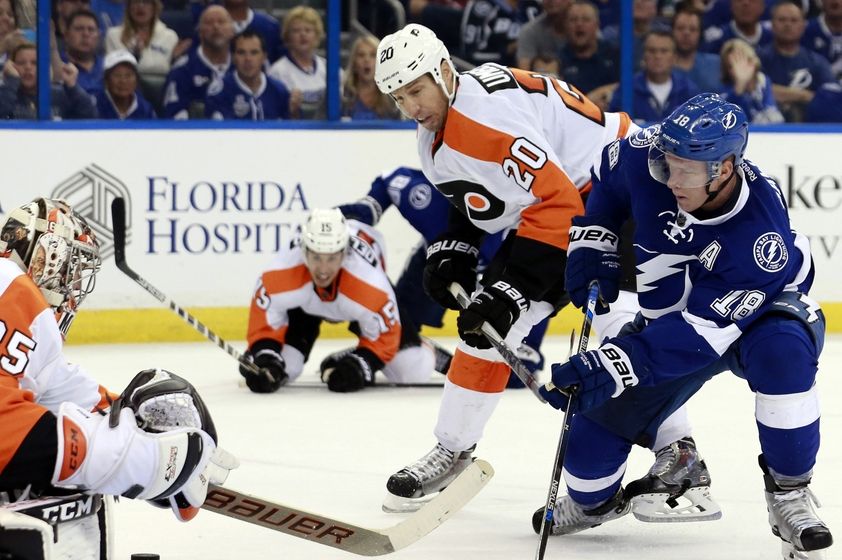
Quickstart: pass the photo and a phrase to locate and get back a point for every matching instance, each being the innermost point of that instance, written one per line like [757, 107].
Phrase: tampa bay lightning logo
[420, 196]
[645, 137]
[729, 120]
[770, 252]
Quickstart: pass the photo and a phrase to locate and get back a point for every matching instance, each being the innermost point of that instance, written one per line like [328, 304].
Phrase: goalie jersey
[361, 293]
[704, 278]
[34, 376]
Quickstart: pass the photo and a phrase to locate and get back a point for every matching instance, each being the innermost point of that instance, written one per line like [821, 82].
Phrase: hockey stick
[118, 221]
[555, 481]
[500, 345]
[344, 536]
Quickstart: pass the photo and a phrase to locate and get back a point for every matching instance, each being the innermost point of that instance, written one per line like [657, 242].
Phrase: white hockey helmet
[326, 231]
[408, 54]
[57, 248]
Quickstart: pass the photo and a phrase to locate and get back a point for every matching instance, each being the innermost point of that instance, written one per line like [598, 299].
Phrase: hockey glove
[499, 305]
[266, 355]
[450, 260]
[592, 256]
[597, 375]
[350, 372]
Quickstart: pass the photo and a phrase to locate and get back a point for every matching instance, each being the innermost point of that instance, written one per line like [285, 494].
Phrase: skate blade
[694, 505]
[789, 552]
[399, 504]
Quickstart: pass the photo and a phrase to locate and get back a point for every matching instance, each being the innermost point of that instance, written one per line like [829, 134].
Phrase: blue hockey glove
[592, 255]
[598, 376]
[499, 305]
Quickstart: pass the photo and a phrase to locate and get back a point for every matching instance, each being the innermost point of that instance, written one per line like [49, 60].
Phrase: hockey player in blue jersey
[723, 284]
[426, 209]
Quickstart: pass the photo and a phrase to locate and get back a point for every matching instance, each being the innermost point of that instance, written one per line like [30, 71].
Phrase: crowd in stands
[222, 59]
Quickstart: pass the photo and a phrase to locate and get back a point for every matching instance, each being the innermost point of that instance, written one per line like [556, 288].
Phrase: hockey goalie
[67, 444]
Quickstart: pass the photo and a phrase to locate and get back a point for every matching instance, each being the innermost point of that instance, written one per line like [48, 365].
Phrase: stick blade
[118, 223]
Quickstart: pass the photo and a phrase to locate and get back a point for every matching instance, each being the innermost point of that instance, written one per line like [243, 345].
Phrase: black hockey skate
[569, 517]
[677, 487]
[793, 518]
[413, 486]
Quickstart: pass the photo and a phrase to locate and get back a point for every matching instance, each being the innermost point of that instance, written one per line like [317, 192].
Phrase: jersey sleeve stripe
[276, 281]
[355, 288]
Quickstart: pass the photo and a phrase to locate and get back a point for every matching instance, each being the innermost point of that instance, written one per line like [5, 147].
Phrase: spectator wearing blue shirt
[191, 75]
[745, 24]
[19, 89]
[81, 42]
[248, 93]
[246, 19]
[586, 61]
[490, 29]
[361, 98]
[824, 35]
[701, 67]
[645, 19]
[660, 88]
[826, 105]
[120, 99]
[746, 85]
[796, 72]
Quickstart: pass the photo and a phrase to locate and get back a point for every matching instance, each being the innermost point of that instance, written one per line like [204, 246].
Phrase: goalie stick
[497, 341]
[344, 536]
[118, 221]
[561, 450]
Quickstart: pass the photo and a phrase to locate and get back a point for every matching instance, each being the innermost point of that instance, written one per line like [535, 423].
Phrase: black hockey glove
[266, 355]
[499, 305]
[350, 372]
[450, 260]
[592, 255]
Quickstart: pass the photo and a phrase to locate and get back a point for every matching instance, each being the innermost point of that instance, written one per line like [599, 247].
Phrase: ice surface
[332, 454]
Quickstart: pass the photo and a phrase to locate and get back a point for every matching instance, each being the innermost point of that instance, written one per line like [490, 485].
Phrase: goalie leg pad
[22, 536]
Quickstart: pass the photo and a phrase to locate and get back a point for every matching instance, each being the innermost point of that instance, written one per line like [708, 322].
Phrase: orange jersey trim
[18, 414]
[274, 282]
[547, 221]
[476, 374]
[386, 345]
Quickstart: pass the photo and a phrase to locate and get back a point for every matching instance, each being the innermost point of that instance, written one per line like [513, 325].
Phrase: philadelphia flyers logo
[473, 200]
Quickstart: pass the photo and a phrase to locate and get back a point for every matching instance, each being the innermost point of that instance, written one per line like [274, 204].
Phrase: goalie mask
[56, 247]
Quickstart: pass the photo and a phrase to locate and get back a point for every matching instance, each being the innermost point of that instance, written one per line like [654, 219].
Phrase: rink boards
[208, 208]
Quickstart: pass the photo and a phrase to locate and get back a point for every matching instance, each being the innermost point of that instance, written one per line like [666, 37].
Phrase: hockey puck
[144, 556]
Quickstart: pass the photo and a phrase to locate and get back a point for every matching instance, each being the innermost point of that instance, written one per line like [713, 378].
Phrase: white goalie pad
[57, 527]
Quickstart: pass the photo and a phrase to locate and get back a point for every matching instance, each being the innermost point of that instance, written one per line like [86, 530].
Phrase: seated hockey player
[333, 272]
[156, 443]
[725, 283]
[426, 210]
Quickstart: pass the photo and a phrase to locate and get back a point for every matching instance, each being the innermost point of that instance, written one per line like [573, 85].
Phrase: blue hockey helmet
[705, 128]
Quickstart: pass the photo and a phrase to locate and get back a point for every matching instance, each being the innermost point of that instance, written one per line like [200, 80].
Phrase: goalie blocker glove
[597, 375]
[351, 371]
[499, 305]
[592, 256]
[158, 443]
[266, 355]
[450, 259]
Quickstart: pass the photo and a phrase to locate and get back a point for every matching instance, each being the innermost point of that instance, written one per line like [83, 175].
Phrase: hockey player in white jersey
[62, 433]
[512, 151]
[724, 283]
[334, 272]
